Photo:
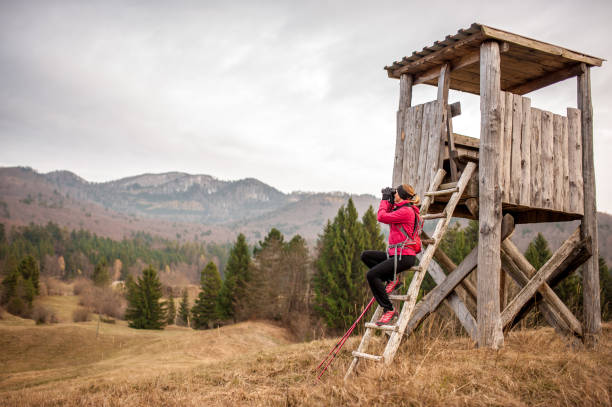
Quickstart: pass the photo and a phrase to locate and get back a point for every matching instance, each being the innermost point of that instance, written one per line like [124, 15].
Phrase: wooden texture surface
[588, 227]
[490, 215]
[576, 192]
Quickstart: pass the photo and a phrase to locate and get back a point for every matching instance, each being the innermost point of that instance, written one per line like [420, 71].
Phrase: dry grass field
[256, 363]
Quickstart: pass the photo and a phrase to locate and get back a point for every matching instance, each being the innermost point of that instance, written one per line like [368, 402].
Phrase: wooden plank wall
[540, 156]
[421, 145]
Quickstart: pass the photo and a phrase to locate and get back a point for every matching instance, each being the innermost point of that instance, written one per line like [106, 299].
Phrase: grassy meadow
[258, 363]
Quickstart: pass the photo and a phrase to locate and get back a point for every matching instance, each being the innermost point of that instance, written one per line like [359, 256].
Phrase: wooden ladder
[409, 300]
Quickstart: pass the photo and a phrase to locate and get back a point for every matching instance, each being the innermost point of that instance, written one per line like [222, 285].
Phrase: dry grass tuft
[254, 363]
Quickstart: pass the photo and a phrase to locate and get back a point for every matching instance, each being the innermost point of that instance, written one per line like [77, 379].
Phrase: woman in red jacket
[403, 218]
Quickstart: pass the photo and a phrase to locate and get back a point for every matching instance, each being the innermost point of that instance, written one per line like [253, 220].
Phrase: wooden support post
[570, 255]
[588, 227]
[443, 86]
[490, 214]
[404, 103]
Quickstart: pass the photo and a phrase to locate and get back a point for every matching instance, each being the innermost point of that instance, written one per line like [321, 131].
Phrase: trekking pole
[342, 340]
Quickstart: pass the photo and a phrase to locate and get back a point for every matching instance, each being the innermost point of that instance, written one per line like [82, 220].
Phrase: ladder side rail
[409, 305]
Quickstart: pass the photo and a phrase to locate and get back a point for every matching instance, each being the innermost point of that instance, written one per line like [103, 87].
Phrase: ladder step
[441, 192]
[372, 325]
[367, 356]
[416, 269]
[428, 241]
[434, 215]
[399, 297]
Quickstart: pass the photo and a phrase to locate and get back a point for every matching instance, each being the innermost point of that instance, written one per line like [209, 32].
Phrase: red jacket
[396, 217]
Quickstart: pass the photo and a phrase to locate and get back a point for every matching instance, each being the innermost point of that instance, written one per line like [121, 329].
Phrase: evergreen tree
[538, 252]
[274, 235]
[28, 268]
[374, 238]
[204, 310]
[237, 278]
[170, 310]
[183, 312]
[101, 277]
[144, 307]
[339, 281]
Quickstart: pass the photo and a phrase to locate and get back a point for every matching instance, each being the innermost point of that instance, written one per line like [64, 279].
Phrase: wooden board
[565, 165]
[548, 171]
[536, 155]
[525, 184]
[557, 162]
[517, 114]
[507, 141]
[575, 161]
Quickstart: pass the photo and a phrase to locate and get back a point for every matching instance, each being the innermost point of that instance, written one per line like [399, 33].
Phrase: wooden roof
[526, 64]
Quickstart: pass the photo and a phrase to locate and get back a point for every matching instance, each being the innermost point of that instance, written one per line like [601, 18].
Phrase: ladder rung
[382, 327]
[435, 215]
[441, 192]
[428, 241]
[399, 297]
[367, 356]
[416, 269]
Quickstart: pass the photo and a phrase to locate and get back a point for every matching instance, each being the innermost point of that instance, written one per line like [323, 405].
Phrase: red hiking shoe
[393, 285]
[386, 318]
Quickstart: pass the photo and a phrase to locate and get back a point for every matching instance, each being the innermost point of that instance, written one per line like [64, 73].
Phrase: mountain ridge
[200, 207]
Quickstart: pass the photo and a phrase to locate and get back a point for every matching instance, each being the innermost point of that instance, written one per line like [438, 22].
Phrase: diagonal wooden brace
[572, 253]
[444, 289]
[448, 283]
[554, 310]
[449, 266]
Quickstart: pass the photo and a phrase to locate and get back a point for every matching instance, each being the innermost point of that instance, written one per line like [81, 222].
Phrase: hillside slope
[255, 364]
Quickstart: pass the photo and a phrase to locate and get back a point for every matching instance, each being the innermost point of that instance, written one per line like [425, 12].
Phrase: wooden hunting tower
[529, 166]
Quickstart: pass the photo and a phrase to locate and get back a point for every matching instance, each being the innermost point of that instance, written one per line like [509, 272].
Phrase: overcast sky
[291, 93]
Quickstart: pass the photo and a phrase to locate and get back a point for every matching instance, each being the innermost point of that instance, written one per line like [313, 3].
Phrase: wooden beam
[521, 271]
[446, 286]
[588, 227]
[437, 56]
[455, 65]
[573, 248]
[548, 79]
[449, 266]
[443, 85]
[490, 211]
[494, 33]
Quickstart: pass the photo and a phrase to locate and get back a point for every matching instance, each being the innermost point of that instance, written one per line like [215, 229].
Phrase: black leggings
[381, 269]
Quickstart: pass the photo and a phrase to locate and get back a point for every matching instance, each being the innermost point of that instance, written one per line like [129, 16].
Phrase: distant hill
[173, 205]
[190, 207]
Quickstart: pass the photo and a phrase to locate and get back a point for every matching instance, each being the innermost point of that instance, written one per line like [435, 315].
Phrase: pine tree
[204, 311]
[145, 310]
[538, 252]
[374, 238]
[183, 313]
[274, 235]
[339, 281]
[237, 277]
[28, 268]
[101, 277]
[170, 310]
